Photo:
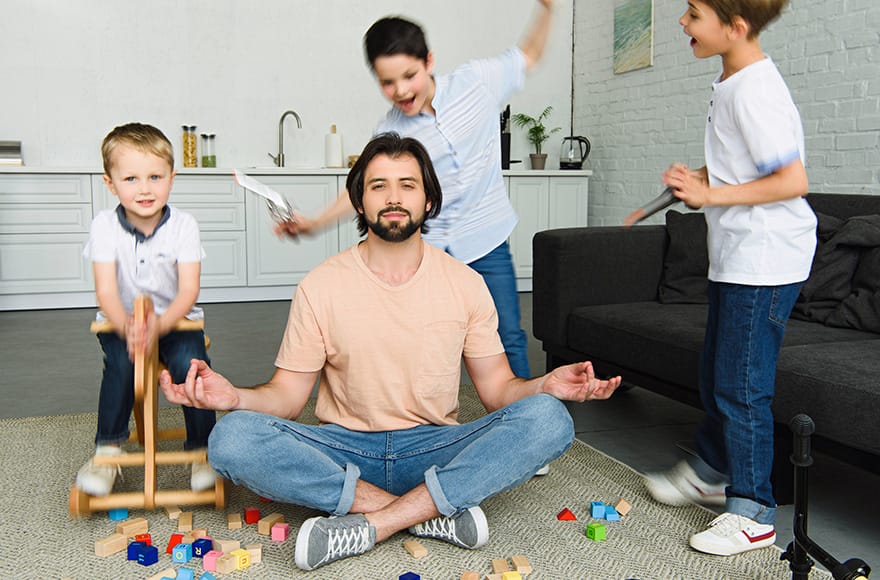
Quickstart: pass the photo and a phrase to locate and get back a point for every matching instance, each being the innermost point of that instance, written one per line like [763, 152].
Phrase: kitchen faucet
[279, 159]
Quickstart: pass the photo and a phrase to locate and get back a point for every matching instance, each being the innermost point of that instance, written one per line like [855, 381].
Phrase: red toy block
[175, 539]
[565, 514]
[145, 538]
[251, 515]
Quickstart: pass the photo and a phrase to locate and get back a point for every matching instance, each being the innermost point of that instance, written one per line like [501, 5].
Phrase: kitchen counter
[207, 171]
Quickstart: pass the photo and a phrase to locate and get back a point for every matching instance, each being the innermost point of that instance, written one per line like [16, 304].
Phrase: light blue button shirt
[464, 142]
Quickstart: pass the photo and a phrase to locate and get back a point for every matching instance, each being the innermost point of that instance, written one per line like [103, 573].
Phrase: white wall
[827, 50]
[73, 69]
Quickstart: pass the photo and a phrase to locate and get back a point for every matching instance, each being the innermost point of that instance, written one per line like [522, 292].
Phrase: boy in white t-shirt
[143, 246]
[761, 239]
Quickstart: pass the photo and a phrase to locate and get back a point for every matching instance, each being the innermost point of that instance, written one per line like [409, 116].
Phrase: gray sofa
[633, 302]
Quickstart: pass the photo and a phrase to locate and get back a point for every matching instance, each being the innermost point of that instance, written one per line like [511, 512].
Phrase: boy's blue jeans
[744, 332]
[496, 267]
[319, 466]
[115, 403]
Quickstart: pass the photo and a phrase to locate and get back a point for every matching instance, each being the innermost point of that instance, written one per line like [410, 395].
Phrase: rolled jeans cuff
[440, 501]
[346, 497]
[751, 509]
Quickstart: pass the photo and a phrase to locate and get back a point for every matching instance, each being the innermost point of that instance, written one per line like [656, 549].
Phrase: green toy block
[596, 532]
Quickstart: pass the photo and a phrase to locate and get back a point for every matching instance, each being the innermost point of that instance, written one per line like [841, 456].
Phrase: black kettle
[575, 150]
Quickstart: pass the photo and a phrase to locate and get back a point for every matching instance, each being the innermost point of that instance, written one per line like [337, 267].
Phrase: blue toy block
[597, 509]
[201, 547]
[207, 576]
[148, 555]
[186, 574]
[182, 553]
[117, 514]
[134, 549]
[409, 576]
[611, 514]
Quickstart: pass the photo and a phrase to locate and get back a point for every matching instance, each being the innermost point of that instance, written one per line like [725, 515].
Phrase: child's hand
[139, 337]
[202, 389]
[691, 187]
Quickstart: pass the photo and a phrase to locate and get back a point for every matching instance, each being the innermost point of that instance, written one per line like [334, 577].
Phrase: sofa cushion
[686, 263]
[835, 383]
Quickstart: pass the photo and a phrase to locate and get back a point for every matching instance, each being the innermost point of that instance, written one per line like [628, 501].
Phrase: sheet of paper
[259, 188]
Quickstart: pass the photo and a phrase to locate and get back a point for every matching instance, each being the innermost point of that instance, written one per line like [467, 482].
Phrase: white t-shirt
[752, 130]
[391, 355]
[146, 265]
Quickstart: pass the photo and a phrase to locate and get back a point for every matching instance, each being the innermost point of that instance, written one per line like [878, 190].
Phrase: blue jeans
[496, 268]
[115, 403]
[319, 466]
[744, 332]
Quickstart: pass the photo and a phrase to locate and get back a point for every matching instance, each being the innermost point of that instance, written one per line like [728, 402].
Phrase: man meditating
[385, 324]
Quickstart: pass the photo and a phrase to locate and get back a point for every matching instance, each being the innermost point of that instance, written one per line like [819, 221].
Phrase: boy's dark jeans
[176, 349]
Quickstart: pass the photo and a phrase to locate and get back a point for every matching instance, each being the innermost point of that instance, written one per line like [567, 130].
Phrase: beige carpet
[38, 540]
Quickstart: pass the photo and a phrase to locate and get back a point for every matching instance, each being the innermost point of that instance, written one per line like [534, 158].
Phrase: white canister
[333, 148]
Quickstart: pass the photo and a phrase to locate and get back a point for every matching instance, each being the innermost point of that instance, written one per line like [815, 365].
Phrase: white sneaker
[681, 485]
[203, 477]
[543, 470]
[98, 480]
[730, 534]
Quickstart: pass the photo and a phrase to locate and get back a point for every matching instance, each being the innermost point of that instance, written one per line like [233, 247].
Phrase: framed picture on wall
[633, 35]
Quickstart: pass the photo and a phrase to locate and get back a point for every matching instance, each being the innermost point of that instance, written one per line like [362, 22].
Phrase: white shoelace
[347, 541]
[727, 524]
[438, 528]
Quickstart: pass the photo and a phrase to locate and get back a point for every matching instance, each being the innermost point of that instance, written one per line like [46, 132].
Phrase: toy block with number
[182, 553]
[145, 538]
[133, 527]
[148, 555]
[133, 549]
[209, 562]
[175, 539]
[202, 546]
[186, 574]
[110, 545]
[185, 522]
[597, 509]
[256, 552]
[251, 515]
[226, 563]
[280, 531]
[566, 514]
[596, 532]
[499, 565]
[264, 525]
[409, 576]
[611, 514]
[233, 521]
[173, 512]
[118, 514]
[623, 507]
[415, 548]
[521, 564]
[226, 546]
[242, 558]
[511, 575]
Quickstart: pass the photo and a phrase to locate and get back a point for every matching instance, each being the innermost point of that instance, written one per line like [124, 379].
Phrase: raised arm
[498, 387]
[284, 395]
[535, 39]
[303, 225]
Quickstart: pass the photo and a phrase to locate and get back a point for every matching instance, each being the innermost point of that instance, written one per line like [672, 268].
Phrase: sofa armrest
[574, 267]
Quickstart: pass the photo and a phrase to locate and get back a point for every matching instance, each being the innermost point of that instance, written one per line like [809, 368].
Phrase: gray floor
[51, 365]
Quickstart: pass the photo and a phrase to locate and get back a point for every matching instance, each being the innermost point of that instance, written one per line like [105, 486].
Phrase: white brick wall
[639, 122]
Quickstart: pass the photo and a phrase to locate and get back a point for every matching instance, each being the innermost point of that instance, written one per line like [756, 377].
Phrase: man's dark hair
[395, 35]
[394, 146]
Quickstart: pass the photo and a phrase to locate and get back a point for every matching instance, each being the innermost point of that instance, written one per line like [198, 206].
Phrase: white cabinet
[44, 224]
[543, 202]
[283, 262]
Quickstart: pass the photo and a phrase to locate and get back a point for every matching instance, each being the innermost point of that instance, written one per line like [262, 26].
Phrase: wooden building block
[198, 533]
[133, 527]
[173, 541]
[280, 531]
[227, 563]
[169, 573]
[251, 515]
[415, 548]
[173, 512]
[185, 522]
[493, 576]
[242, 558]
[596, 532]
[566, 514]
[118, 514]
[470, 576]
[111, 544]
[233, 521]
[256, 552]
[264, 526]
[521, 564]
[145, 538]
[209, 562]
[226, 546]
[499, 565]
[511, 575]
[622, 506]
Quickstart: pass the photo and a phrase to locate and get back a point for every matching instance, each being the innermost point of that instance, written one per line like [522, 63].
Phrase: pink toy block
[280, 531]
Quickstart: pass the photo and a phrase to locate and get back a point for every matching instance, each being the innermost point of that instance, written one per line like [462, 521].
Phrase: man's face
[406, 81]
[394, 197]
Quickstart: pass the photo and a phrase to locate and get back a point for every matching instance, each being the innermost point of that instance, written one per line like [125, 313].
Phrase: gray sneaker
[324, 540]
[468, 529]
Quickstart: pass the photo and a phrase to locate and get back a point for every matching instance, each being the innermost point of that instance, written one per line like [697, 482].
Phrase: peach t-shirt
[391, 354]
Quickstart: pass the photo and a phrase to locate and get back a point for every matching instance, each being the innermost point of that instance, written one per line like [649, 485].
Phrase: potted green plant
[537, 134]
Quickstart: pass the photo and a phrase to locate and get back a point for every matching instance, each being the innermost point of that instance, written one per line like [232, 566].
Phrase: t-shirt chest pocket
[442, 344]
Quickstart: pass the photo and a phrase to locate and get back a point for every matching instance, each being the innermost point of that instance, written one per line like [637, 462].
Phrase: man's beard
[395, 231]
